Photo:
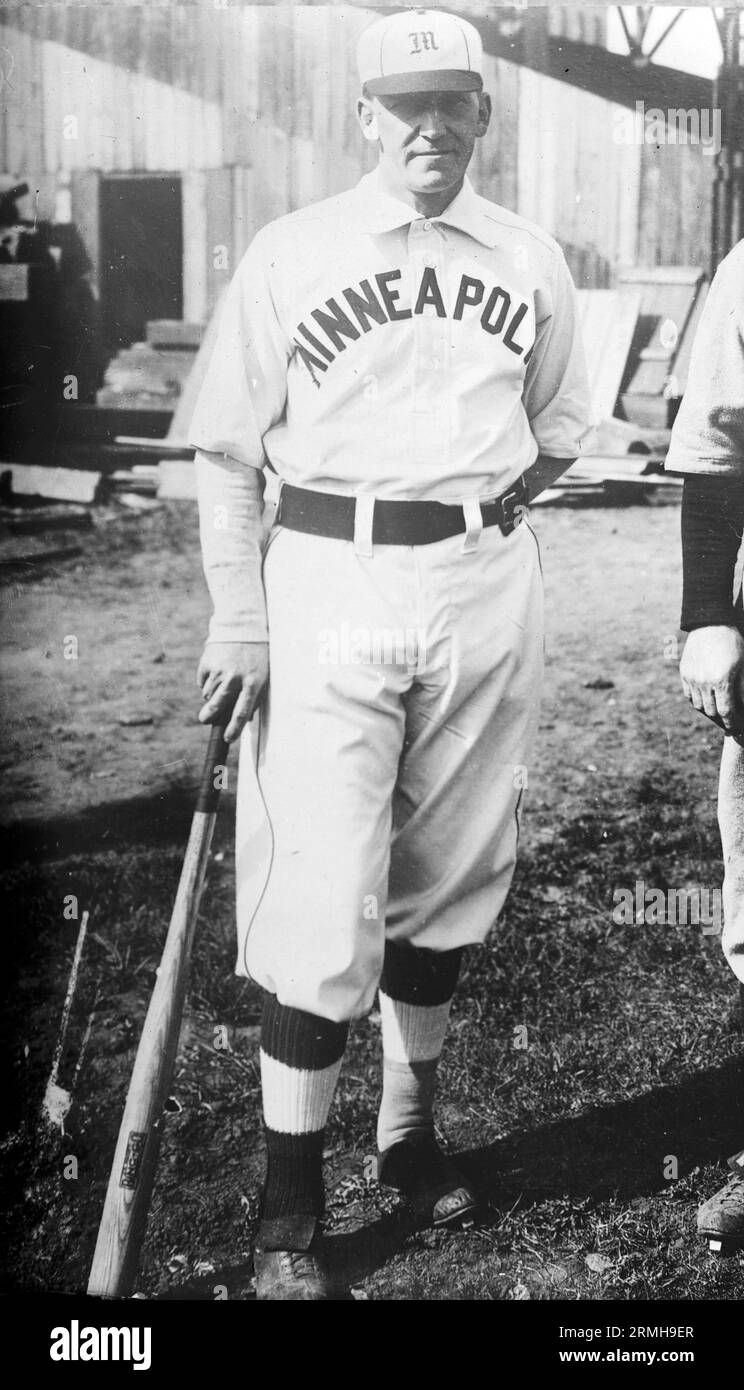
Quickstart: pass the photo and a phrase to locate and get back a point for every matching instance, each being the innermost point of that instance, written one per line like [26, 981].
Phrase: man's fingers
[210, 684]
[717, 702]
[708, 696]
[243, 711]
[219, 706]
[737, 698]
[692, 691]
[724, 696]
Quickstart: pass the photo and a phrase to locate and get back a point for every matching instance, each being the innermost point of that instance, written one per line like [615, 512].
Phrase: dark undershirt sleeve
[712, 525]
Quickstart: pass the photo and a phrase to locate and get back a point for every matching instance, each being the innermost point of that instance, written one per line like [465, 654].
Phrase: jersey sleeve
[708, 433]
[556, 393]
[245, 387]
[232, 537]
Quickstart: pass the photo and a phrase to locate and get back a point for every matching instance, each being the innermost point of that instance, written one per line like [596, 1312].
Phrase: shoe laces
[302, 1264]
[732, 1195]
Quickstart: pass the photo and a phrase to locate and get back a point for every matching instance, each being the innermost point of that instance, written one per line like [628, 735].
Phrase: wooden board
[668, 298]
[608, 319]
[682, 360]
[174, 333]
[62, 484]
[177, 480]
[15, 282]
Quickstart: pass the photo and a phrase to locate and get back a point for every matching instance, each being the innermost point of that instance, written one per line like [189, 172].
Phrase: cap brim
[442, 80]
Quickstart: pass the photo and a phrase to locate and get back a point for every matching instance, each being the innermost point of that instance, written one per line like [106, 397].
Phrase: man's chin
[431, 180]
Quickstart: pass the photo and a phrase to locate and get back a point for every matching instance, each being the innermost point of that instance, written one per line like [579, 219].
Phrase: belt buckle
[510, 501]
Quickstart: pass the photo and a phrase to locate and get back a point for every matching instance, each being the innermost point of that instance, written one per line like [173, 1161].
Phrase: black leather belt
[394, 523]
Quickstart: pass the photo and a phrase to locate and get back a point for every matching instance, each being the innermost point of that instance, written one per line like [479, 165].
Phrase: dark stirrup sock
[301, 1057]
[416, 992]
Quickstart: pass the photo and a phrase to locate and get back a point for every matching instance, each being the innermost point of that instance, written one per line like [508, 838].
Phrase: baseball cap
[420, 51]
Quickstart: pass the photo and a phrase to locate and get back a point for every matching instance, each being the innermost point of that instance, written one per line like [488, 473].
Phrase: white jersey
[363, 348]
[708, 434]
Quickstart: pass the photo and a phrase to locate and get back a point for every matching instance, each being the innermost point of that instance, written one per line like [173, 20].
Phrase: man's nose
[432, 121]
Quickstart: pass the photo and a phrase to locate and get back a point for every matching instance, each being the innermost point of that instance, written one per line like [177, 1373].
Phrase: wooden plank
[659, 275]
[195, 233]
[36, 520]
[64, 484]
[24, 127]
[174, 333]
[608, 320]
[668, 294]
[15, 283]
[85, 200]
[39, 557]
[158, 447]
[681, 366]
[646, 412]
[82, 422]
[177, 481]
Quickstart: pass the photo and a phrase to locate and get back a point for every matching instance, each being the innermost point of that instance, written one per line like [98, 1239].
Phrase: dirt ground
[633, 1064]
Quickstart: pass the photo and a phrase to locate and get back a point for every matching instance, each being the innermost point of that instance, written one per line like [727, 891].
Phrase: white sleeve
[708, 433]
[244, 391]
[232, 535]
[556, 394]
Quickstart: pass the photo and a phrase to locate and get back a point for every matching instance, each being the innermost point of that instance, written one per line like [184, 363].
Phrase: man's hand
[232, 676]
[712, 673]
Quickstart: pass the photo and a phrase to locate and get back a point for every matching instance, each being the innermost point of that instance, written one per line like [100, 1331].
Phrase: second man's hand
[232, 677]
[712, 674]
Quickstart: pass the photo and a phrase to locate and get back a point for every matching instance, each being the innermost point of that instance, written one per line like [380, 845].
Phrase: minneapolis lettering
[377, 300]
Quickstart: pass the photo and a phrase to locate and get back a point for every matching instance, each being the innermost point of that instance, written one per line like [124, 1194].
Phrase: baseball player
[708, 447]
[401, 365]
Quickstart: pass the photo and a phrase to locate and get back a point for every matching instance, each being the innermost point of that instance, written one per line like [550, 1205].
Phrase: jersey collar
[379, 211]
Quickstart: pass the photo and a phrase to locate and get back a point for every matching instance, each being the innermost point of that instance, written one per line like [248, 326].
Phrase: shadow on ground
[613, 1151]
[160, 819]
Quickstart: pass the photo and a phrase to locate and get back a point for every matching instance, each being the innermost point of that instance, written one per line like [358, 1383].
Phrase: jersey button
[426, 226]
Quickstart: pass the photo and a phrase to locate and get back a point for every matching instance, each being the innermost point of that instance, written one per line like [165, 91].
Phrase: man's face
[426, 139]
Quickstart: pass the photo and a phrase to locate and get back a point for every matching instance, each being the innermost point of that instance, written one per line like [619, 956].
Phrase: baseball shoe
[721, 1219]
[431, 1182]
[290, 1265]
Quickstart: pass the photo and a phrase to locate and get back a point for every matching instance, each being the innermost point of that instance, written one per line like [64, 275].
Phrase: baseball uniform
[708, 444]
[708, 441]
[394, 373]
[367, 351]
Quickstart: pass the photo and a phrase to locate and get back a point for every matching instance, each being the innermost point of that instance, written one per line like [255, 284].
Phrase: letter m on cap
[422, 40]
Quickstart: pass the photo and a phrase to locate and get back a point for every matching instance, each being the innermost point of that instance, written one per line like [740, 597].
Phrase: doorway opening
[141, 243]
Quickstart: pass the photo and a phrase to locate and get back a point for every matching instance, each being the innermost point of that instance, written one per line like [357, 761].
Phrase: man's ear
[484, 114]
[367, 118]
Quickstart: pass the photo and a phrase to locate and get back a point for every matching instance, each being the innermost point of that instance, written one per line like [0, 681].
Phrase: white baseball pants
[379, 790]
[731, 825]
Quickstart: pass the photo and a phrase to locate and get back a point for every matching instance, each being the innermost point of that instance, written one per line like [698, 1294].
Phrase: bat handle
[216, 758]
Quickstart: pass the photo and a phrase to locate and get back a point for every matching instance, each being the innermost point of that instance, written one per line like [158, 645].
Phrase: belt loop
[364, 512]
[272, 501]
[473, 524]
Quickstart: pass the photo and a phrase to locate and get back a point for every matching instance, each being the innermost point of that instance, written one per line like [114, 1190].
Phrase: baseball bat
[124, 1218]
